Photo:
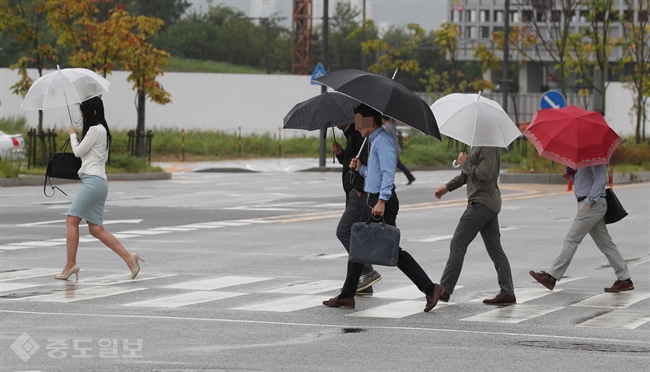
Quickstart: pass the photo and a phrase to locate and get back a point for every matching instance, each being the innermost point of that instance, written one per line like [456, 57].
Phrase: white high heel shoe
[136, 266]
[74, 270]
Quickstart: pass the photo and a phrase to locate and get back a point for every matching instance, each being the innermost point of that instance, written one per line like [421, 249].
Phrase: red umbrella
[572, 136]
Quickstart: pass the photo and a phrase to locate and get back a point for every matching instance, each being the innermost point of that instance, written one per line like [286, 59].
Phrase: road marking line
[284, 324]
[185, 299]
[42, 243]
[121, 236]
[613, 300]
[71, 295]
[25, 274]
[200, 226]
[7, 287]
[567, 279]
[310, 288]
[122, 278]
[410, 292]
[175, 228]
[215, 283]
[144, 232]
[396, 310]
[286, 305]
[618, 319]
[13, 247]
[512, 314]
[326, 256]
[527, 294]
[432, 239]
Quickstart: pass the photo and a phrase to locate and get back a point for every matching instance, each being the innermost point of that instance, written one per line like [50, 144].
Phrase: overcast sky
[429, 14]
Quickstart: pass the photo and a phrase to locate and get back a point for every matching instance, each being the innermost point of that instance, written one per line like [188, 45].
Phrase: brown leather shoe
[543, 278]
[444, 297]
[347, 303]
[620, 286]
[438, 290]
[501, 299]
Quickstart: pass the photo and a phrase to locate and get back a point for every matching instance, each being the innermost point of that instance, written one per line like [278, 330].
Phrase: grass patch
[177, 64]
[9, 168]
[13, 125]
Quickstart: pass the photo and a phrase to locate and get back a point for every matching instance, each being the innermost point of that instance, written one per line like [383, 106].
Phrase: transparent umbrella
[64, 87]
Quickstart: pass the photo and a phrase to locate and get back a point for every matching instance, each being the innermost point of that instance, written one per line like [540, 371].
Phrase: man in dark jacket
[355, 199]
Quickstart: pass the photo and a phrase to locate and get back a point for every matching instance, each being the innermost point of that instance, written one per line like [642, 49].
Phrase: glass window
[484, 16]
[498, 16]
[470, 15]
[484, 32]
[456, 16]
[470, 32]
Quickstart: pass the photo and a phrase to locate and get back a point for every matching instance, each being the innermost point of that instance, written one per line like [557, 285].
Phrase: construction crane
[301, 37]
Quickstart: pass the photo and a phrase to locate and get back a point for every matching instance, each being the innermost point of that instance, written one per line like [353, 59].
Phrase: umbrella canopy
[572, 136]
[324, 110]
[63, 87]
[384, 95]
[474, 120]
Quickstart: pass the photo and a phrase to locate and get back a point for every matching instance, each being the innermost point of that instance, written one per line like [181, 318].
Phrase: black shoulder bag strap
[47, 173]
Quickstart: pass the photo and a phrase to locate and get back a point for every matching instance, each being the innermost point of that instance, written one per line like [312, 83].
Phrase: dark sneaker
[367, 280]
[365, 292]
[410, 181]
[543, 278]
[501, 299]
[620, 286]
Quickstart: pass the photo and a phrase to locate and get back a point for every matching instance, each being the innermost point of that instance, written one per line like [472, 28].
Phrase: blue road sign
[318, 72]
[552, 99]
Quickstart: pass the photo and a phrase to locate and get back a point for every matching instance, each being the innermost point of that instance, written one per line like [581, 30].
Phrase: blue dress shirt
[382, 162]
[590, 182]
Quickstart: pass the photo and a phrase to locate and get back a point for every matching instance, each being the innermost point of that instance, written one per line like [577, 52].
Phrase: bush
[9, 168]
[120, 163]
[632, 154]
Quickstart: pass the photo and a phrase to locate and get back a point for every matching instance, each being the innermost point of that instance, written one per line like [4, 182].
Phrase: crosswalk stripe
[41, 243]
[174, 229]
[144, 232]
[185, 299]
[512, 314]
[215, 283]
[310, 288]
[396, 310]
[72, 295]
[14, 247]
[567, 279]
[201, 226]
[618, 319]
[286, 305]
[410, 292]
[6, 286]
[527, 294]
[614, 300]
[25, 274]
[122, 278]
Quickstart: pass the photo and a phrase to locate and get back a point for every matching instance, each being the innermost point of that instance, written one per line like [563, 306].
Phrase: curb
[33, 180]
[556, 179]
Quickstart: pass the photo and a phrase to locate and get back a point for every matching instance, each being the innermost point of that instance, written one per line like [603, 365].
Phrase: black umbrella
[324, 110]
[386, 96]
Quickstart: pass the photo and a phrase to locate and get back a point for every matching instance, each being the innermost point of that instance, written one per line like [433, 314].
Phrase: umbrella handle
[455, 164]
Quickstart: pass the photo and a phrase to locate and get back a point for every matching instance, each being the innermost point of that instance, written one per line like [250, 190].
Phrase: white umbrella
[474, 120]
[63, 87]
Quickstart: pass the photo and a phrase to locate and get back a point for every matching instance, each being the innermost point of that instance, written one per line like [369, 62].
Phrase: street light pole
[323, 131]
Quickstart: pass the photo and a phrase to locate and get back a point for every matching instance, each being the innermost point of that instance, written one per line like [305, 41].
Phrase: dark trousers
[404, 170]
[477, 218]
[354, 207]
[405, 261]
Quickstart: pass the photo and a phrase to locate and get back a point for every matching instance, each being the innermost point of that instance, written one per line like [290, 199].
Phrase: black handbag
[374, 243]
[615, 211]
[63, 165]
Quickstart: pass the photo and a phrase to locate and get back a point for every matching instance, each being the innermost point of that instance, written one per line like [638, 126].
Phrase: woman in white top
[88, 204]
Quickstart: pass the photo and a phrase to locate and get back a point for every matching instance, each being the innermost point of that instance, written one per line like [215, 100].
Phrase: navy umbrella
[386, 96]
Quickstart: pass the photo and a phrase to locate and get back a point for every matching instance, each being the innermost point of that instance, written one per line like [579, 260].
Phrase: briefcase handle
[383, 220]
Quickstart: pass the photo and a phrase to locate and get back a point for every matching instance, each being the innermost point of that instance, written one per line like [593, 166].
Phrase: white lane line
[41, 243]
[200, 226]
[256, 221]
[122, 236]
[512, 314]
[432, 239]
[143, 232]
[618, 319]
[225, 223]
[310, 288]
[319, 325]
[638, 262]
[410, 292]
[174, 229]
[122, 278]
[185, 299]
[41, 223]
[614, 300]
[25, 274]
[567, 279]
[527, 294]
[72, 295]
[215, 283]
[396, 310]
[13, 247]
[286, 305]
[8, 287]
[327, 256]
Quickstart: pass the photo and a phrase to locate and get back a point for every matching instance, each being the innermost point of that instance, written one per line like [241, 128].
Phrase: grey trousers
[590, 222]
[353, 211]
[477, 218]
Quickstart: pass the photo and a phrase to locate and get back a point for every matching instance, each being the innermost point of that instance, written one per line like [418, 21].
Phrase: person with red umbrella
[583, 142]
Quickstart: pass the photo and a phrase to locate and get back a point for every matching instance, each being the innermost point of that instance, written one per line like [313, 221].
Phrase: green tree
[26, 22]
[168, 11]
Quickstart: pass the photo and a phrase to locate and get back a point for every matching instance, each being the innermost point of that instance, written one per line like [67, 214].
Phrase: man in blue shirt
[589, 189]
[382, 201]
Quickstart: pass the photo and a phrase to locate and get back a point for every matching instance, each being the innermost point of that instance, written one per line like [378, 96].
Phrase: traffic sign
[318, 72]
[552, 99]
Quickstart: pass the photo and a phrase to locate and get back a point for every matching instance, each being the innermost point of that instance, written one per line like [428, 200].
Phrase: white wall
[619, 109]
[257, 103]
